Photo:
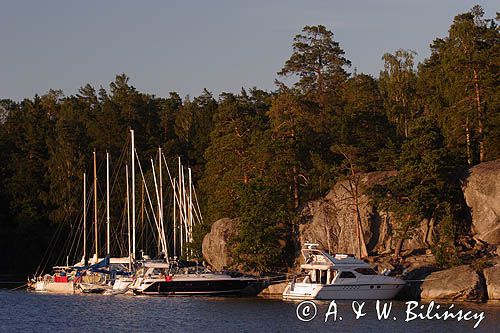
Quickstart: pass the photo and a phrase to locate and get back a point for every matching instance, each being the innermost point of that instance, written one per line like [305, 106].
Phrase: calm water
[23, 311]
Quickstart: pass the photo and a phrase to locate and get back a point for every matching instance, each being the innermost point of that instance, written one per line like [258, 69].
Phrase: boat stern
[298, 291]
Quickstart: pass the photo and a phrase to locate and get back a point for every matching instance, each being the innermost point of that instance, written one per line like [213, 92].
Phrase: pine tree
[458, 85]
[318, 62]
[364, 125]
[228, 163]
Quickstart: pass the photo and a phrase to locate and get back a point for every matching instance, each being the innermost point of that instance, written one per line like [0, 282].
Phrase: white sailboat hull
[55, 287]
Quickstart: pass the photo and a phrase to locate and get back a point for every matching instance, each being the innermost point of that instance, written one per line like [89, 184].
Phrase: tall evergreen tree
[228, 163]
[458, 84]
[318, 62]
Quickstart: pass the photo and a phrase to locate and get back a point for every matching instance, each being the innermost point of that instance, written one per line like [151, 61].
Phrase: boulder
[492, 277]
[274, 289]
[460, 283]
[482, 193]
[215, 244]
[330, 221]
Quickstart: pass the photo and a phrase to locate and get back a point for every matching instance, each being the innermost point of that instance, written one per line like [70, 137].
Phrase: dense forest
[260, 155]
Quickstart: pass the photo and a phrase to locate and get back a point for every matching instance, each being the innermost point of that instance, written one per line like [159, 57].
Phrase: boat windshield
[159, 271]
[189, 270]
[366, 271]
[315, 256]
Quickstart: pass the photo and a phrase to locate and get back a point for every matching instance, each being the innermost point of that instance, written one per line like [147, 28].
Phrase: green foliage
[364, 125]
[262, 155]
[66, 163]
[444, 249]
[458, 86]
[264, 231]
[398, 86]
[426, 184]
[231, 159]
[318, 62]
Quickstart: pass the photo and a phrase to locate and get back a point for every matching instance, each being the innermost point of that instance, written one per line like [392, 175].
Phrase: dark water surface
[22, 311]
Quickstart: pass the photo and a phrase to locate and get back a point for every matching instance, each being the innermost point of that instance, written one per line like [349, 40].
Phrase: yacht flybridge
[339, 277]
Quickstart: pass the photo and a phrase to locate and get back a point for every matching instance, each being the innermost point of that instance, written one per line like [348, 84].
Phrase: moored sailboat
[165, 275]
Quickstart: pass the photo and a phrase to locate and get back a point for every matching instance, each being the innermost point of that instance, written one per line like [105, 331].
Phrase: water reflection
[30, 312]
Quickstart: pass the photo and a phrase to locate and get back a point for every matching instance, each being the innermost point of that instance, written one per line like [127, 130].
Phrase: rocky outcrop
[215, 244]
[274, 289]
[492, 277]
[460, 283]
[330, 221]
[482, 194]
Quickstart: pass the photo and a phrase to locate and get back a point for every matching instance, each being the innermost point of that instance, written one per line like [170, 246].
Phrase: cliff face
[330, 221]
[482, 194]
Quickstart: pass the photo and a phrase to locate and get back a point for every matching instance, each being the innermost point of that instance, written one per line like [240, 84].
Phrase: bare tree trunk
[399, 244]
[405, 123]
[363, 253]
[321, 93]
[468, 143]
[295, 171]
[356, 222]
[327, 230]
[479, 116]
[295, 188]
[353, 183]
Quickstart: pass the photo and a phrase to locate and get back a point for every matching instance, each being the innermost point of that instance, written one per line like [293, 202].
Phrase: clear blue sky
[185, 46]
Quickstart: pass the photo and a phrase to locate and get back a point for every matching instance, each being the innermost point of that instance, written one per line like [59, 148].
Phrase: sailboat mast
[133, 192]
[107, 206]
[95, 210]
[184, 206]
[161, 239]
[179, 188]
[190, 209]
[160, 204]
[84, 218]
[185, 217]
[128, 223]
[175, 223]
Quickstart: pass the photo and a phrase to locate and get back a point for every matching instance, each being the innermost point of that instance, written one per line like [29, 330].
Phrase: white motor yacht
[340, 277]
